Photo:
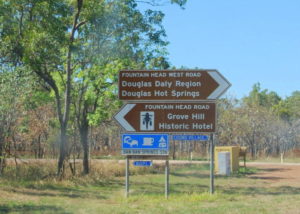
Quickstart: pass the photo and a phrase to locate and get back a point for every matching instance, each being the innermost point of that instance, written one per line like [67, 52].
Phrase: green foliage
[37, 34]
[258, 97]
[32, 32]
[282, 110]
[287, 109]
[115, 36]
[292, 103]
[76, 48]
[14, 90]
[180, 2]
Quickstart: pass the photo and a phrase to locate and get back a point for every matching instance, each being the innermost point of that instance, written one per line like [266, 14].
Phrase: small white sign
[147, 120]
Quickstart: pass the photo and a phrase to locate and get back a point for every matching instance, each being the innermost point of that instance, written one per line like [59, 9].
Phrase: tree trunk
[84, 131]
[2, 158]
[65, 118]
[62, 152]
[40, 153]
[252, 151]
[281, 157]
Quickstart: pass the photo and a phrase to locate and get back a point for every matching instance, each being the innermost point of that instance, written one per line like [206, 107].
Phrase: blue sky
[248, 41]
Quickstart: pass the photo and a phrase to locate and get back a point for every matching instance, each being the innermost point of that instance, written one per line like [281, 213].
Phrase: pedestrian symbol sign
[147, 121]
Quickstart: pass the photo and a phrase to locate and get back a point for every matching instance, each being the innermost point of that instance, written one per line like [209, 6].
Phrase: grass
[189, 186]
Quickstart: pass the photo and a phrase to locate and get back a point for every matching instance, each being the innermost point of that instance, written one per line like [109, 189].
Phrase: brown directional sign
[168, 117]
[173, 85]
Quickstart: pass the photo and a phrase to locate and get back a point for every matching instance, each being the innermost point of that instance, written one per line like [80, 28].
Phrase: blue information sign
[145, 144]
[142, 163]
[191, 137]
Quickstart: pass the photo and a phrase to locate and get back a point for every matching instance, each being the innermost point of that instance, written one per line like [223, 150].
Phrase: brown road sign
[168, 117]
[173, 85]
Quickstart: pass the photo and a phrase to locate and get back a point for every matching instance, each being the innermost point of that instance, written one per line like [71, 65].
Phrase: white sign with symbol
[130, 142]
[162, 142]
[148, 141]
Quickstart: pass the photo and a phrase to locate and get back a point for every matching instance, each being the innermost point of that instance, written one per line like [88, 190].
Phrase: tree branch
[80, 24]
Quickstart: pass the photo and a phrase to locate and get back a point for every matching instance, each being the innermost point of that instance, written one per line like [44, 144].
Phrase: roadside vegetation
[189, 193]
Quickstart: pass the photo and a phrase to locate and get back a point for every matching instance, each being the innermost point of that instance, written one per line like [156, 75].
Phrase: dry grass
[242, 193]
[39, 170]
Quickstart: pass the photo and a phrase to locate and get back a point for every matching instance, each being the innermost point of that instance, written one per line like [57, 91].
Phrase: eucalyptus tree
[119, 36]
[40, 36]
[52, 38]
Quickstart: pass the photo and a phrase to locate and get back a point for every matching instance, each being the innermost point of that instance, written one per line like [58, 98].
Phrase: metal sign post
[145, 146]
[127, 177]
[212, 175]
[167, 170]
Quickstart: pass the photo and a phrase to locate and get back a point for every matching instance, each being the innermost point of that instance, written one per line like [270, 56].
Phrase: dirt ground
[277, 174]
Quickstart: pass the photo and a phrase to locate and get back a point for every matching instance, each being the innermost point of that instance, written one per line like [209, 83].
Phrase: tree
[263, 121]
[292, 104]
[50, 38]
[109, 43]
[13, 90]
[40, 35]
[227, 121]
[258, 97]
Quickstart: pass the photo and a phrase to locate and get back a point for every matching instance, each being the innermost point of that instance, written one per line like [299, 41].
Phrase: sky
[247, 41]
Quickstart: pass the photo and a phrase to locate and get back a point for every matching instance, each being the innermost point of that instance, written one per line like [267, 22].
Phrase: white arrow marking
[223, 85]
[120, 117]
